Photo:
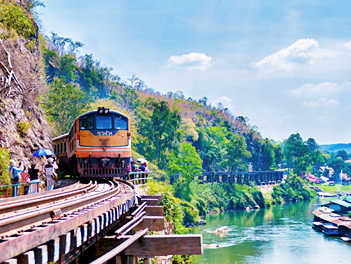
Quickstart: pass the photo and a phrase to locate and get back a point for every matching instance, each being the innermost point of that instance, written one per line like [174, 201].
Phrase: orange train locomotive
[97, 146]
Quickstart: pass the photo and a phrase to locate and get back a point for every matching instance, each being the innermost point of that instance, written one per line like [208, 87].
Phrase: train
[98, 145]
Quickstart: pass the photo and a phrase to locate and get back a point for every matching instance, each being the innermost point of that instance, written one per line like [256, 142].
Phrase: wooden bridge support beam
[41, 255]
[154, 210]
[27, 258]
[165, 245]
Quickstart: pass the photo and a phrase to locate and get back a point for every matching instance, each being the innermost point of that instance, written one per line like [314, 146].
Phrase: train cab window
[120, 123]
[103, 122]
[64, 147]
[86, 122]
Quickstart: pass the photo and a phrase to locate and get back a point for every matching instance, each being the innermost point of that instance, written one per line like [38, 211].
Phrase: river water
[280, 234]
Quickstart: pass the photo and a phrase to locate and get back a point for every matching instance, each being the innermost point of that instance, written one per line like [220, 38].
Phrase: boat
[330, 229]
[317, 226]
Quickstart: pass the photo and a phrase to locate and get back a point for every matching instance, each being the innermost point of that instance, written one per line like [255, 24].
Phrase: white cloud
[310, 88]
[225, 101]
[348, 45]
[323, 102]
[303, 51]
[191, 61]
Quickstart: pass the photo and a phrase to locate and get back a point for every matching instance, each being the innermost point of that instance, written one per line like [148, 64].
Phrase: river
[280, 234]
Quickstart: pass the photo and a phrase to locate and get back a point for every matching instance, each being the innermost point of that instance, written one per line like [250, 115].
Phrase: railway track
[21, 215]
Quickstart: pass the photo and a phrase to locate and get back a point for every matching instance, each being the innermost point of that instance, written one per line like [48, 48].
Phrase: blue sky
[283, 64]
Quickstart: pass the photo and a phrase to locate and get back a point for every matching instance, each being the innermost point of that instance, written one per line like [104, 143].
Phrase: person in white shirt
[50, 174]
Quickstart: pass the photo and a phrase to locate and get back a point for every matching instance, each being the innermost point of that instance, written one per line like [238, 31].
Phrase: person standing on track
[50, 174]
[14, 176]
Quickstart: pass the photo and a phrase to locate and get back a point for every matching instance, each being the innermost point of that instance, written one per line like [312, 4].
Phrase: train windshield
[120, 123]
[86, 122]
[103, 122]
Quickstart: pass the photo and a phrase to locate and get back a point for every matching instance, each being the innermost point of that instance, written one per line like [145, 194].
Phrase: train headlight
[103, 110]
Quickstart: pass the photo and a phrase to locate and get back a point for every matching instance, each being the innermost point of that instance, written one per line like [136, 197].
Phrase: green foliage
[22, 128]
[31, 45]
[172, 205]
[64, 103]
[191, 213]
[12, 17]
[223, 196]
[338, 164]
[183, 259]
[293, 189]
[237, 152]
[186, 161]
[4, 163]
[159, 132]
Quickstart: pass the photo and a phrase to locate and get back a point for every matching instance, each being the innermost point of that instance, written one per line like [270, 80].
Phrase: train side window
[120, 123]
[103, 122]
[86, 122]
[64, 146]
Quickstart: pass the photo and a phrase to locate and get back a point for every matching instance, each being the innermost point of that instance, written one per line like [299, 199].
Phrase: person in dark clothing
[142, 167]
[142, 175]
[33, 173]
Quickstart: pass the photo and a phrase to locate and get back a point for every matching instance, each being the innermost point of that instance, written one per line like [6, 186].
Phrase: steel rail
[36, 216]
[45, 198]
[76, 185]
[31, 237]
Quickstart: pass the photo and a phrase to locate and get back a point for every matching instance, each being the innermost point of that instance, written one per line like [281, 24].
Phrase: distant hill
[336, 147]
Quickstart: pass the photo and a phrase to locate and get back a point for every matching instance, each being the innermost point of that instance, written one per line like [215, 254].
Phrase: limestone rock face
[23, 127]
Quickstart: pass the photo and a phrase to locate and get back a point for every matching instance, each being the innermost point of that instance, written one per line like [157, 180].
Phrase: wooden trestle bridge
[87, 223]
[257, 177]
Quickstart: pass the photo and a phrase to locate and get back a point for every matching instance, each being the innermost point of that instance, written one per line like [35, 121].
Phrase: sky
[283, 64]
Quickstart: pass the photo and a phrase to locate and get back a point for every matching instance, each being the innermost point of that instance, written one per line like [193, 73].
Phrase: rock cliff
[23, 127]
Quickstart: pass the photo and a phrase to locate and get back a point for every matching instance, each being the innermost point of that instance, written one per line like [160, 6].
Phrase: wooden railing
[244, 178]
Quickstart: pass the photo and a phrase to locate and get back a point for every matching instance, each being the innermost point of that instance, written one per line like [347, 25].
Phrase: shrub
[13, 17]
[172, 205]
[22, 128]
[4, 172]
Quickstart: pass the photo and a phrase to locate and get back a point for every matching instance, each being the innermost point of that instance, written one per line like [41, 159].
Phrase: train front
[104, 148]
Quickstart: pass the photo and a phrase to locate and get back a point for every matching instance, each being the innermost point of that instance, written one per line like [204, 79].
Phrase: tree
[237, 153]
[160, 132]
[312, 145]
[186, 161]
[342, 154]
[296, 153]
[63, 104]
[278, 154]
[338, 164]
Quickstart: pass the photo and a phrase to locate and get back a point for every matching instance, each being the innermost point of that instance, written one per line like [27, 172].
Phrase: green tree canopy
[160, 132]
[237, 154]
[64, 103]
